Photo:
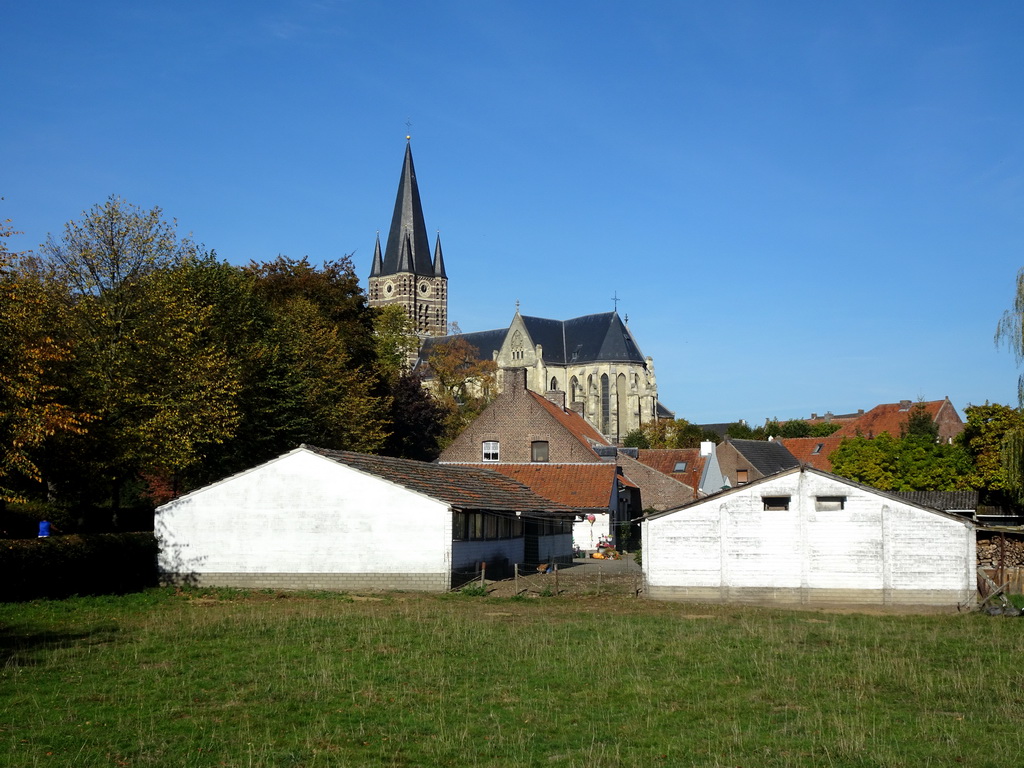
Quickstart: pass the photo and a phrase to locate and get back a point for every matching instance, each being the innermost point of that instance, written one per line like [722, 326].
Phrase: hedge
[61, 566]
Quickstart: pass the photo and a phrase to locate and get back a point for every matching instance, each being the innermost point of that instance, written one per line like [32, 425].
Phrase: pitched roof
[581, 486]
[461, 487]
[486, 343]
[587, 339]
[591, 338]
[947, 501]
[814, 451]
[888, 417]
[766, 456]
[572, 422]
[667, 460]
[408, 249]
[745, 488]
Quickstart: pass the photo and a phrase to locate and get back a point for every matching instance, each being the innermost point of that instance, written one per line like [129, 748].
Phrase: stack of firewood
[989, 548]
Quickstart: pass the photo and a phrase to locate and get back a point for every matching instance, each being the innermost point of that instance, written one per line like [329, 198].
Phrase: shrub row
[61, 566]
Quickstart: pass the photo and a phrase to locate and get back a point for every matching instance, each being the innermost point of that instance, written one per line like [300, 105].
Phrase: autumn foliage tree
[30, 407]
[143, 364]
[462, 383]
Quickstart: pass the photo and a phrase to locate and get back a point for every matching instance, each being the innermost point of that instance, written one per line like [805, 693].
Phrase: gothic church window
[554, 384]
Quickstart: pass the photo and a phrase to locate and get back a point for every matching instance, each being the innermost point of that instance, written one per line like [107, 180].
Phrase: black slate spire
[438, 259]
[408, 248]
[375, 272]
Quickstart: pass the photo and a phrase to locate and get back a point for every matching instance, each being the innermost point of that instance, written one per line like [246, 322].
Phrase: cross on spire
[616, 300]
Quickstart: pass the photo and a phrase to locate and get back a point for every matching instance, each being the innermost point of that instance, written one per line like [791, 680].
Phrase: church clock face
[389, 287]
[424, 289]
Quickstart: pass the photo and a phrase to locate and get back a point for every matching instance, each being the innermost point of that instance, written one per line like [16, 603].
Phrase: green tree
[1010, 333]
[145, 365]
[985, 438]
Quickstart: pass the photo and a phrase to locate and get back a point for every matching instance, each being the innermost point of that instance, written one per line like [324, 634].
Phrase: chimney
[556, 396]
[514, 379]
[904, 405]
[577, 406]
[707, 447]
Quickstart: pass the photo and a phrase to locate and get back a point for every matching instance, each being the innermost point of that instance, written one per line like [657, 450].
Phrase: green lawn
[217, 678]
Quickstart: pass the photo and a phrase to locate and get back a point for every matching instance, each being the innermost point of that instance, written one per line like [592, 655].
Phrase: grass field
[217, 678]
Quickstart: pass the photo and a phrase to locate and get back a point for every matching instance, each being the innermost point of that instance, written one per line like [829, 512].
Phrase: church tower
[405, 274]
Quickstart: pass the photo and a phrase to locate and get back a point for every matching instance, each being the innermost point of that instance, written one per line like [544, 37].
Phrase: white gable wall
[305, 521]
[876, 550]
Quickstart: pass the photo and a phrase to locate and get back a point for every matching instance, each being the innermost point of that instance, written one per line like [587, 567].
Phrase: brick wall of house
[659, 491]
[515, 419]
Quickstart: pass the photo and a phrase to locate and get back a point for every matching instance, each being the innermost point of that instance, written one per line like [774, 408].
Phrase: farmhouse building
[805, 537]
[320, 519]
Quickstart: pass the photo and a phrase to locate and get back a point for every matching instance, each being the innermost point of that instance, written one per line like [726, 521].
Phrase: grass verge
[223, 678]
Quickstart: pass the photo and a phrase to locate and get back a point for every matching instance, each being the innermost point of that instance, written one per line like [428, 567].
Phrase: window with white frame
[490, 450]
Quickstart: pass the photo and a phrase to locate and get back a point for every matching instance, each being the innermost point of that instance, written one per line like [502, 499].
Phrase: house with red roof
[557, 454]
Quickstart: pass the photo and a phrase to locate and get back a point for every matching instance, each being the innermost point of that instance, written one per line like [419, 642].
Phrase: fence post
[556, 579]
[517, 577]
[483, 574]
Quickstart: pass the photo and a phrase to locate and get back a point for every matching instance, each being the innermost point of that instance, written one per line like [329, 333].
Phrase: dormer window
[491, 450]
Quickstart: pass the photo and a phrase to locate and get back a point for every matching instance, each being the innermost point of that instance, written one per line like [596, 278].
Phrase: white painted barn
[320, 519]
[808, 537]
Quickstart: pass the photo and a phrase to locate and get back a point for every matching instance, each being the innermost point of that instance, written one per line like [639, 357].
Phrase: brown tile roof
[582, 486]
[806, 450]
[461, 487]
[665, 460]
[575, 424]
[888, 417]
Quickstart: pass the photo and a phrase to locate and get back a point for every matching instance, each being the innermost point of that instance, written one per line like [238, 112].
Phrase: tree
[985, 438]
[418, 421]
[463, 384]
[1010, 333]
[910, 463]
[394, 340]
[144, 362]
[30, 407]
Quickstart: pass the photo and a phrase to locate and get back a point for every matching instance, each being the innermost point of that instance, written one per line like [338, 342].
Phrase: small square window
[741, 476]
[829, 503]
[539, 450]
[680, 466]
[491, 450]
[776, 503]
[817, 449]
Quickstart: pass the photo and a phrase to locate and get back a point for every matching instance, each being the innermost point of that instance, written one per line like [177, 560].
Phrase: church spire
[375, 271]
[438, 259]
[407, 228]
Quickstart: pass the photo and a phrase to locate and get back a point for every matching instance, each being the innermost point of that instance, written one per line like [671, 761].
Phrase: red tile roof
[583, 486]
[575, 424]
[806, 450]
[888, 417]
[665, 461]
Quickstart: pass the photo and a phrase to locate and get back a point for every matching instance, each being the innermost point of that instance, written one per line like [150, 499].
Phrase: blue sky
[802, 206]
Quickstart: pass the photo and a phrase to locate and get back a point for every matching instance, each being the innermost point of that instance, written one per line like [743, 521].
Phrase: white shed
[808, 537]
[319, 519]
